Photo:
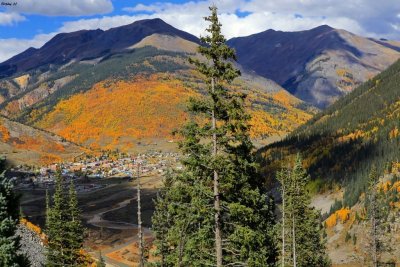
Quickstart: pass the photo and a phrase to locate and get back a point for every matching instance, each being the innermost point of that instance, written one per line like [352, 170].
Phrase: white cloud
[10, 18]
[364, 17]
[12, 46]
[103, 23]
[62, 7]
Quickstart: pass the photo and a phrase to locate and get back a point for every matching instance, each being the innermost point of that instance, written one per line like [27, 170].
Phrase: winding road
[98, 221]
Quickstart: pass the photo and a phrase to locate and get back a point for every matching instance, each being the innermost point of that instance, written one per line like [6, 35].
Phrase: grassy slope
[22, 144]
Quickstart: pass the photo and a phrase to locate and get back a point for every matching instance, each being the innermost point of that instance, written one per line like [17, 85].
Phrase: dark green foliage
[9, 218]
[348, 237]
[371, 111]
[64, 229]
[337, 205]
[377, 207]
[184, 220]
[74, 226]
[303, 231]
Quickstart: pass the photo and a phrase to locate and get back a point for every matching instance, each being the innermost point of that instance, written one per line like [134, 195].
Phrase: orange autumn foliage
[34, 228]
[5, 134]
[342, 215]
[29, 143]
[384, 186]
[394, 133]
[55, 147]
[331, 220]
[47, 158]
[262, 124]
[47, 150]
[113, 114]
[142, 108]
[396, 186]
[395, 167]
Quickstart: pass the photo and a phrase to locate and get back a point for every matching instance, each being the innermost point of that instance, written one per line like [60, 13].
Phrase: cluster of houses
[104, 166]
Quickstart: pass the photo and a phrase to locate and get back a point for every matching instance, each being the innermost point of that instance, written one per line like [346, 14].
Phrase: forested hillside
[342, 143]
[138, 95]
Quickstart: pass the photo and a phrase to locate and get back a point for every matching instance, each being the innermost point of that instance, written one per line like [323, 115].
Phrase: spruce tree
[139, 216]
[377, 207]
[56, 226]
[218, 214]
[9, 219]
[63, 227]
[162, 221]
[75, 229]
[302, 241]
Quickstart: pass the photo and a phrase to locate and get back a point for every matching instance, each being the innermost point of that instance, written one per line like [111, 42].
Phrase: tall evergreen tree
[63, 227]
[75, 228]
[55, 228]
[101, 262]
[217, 211]
[162, 221]
[302, 232]
[139, 216]
[9, 218]
[377, 207]
[372, 208]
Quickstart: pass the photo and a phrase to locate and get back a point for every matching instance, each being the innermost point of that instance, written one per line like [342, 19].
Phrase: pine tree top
[214, 48]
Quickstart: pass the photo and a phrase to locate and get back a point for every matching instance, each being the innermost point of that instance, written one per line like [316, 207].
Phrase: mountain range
[88, 44]
[125, 87]
[318, 65]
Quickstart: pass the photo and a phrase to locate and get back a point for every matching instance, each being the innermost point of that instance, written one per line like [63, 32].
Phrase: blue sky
[25, 23]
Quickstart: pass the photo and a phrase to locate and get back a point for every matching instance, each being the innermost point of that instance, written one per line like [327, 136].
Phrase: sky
[31, 23]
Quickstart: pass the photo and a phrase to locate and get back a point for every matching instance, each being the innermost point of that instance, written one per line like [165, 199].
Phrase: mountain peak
[86, 44]
[324, 27]
[299, 61]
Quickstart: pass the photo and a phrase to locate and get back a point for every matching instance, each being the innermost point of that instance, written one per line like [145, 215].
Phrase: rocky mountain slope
[318, 65]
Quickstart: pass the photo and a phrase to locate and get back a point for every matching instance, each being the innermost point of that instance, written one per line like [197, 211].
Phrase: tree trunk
[374, 232]
[139, 214]
[283, 223]
[180, 249]
[294, 241]
[217, 204]
[293, 200]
